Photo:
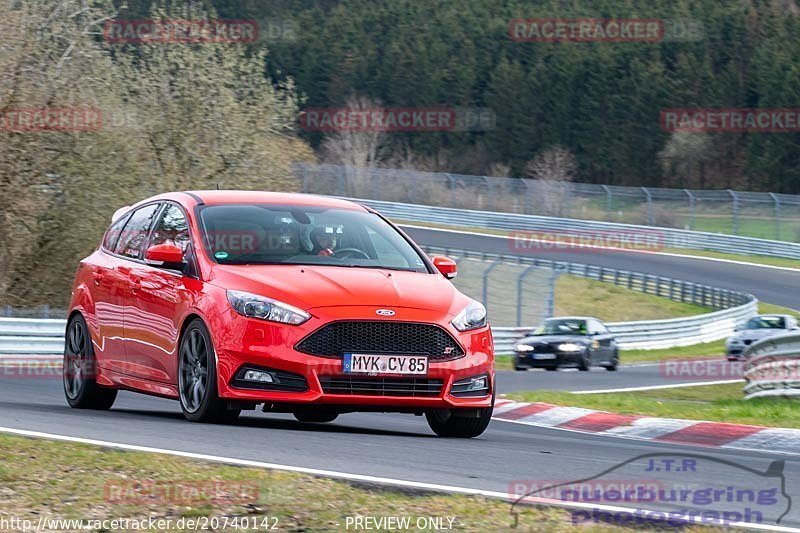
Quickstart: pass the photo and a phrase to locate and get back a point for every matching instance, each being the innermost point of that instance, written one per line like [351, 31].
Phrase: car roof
[277, 198]
[254, 197]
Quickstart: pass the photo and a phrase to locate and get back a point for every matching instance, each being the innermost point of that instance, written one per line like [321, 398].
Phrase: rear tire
[80, 366]
[445, 424]
[317, 417]
[197, 378]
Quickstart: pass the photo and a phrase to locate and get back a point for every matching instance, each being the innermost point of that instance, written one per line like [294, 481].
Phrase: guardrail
[568, 227]
[772, 367]
[753, 214]
[27, 336]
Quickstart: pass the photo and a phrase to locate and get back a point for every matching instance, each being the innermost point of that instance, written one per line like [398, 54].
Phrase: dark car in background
[567, 342]
[757, 328]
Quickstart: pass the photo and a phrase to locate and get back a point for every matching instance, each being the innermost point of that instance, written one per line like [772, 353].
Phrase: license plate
[374, 364]
[544, 356]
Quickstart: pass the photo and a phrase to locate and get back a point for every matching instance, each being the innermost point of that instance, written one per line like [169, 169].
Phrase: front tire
[446, 424]
[197, 378]
[80, 387]
[612, 366]
[585, 361]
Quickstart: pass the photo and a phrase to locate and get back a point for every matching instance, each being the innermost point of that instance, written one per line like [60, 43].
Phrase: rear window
[113, 233]
[134, 235]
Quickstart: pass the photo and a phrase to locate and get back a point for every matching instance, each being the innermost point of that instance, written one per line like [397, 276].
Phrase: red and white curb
[667, 430]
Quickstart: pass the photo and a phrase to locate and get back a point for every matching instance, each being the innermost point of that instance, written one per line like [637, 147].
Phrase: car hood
[549, 339]
[314, 286]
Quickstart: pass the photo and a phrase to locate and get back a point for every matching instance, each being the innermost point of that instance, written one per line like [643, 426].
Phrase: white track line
[358, 477]
[654, 387]
[594, 246]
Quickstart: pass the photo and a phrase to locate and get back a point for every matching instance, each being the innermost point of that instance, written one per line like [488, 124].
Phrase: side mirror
[446, 266]
[164, 255]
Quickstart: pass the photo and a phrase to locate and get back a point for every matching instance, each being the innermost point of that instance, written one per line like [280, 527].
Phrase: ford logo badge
[385, 312]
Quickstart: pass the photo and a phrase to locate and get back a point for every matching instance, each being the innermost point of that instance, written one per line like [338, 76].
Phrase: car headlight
[570, 347]
[523, 348]
[254, 306]
[472, 317]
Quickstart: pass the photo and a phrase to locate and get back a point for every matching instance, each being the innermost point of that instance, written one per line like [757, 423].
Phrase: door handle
[98, 277]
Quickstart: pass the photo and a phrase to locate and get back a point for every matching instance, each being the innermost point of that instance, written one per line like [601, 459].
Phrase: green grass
[70, 481]
[747, 258]
[612, 303]
[719, 403]
[695, 350]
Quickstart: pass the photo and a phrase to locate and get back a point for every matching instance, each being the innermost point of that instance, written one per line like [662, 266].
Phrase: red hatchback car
[227, 300]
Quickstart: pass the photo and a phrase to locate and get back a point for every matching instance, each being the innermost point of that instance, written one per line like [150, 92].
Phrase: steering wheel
[350, 252]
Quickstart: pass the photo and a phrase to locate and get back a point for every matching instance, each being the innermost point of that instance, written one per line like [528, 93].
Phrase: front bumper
[246, 342]
[544, 360]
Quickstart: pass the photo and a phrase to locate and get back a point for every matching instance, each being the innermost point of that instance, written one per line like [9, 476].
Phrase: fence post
[486, 273]
[341, 182]
[650, 217]
[692, 207]
[777, 215]
[490, 186]
[452, 184]
[609, 201]
[520, 292]
[735, 211]
[550, 303]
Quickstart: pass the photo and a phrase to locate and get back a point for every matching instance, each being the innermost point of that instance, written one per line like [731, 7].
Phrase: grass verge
[718, 403]
[612, 303]
[80, 482]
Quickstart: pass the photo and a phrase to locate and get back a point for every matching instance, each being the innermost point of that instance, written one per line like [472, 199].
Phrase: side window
[172, 228]
[113, 233]
[135, 233]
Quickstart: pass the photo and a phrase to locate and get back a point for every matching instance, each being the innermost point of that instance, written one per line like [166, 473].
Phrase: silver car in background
[757, 328]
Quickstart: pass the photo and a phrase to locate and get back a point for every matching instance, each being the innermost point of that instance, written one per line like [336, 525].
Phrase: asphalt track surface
[403, 448]
[780, 287]
[387, 445]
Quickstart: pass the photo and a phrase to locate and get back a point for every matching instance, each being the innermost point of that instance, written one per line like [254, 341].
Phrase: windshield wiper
[379, 267]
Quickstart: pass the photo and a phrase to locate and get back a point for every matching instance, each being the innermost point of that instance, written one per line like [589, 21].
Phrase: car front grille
[406, 387]
[381, 337]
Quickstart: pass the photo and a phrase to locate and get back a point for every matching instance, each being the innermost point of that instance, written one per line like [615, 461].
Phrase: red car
[228, 300]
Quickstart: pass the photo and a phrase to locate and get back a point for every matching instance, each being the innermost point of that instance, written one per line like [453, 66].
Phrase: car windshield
[304, 235]
[766, 322]
[562, 326]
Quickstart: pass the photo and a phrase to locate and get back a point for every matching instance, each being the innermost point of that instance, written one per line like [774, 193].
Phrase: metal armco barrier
[511, 222]
[772, 367]
[760, 215]
[26, 336]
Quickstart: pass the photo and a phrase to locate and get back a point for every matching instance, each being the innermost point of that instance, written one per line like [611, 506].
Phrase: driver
[323, 243]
